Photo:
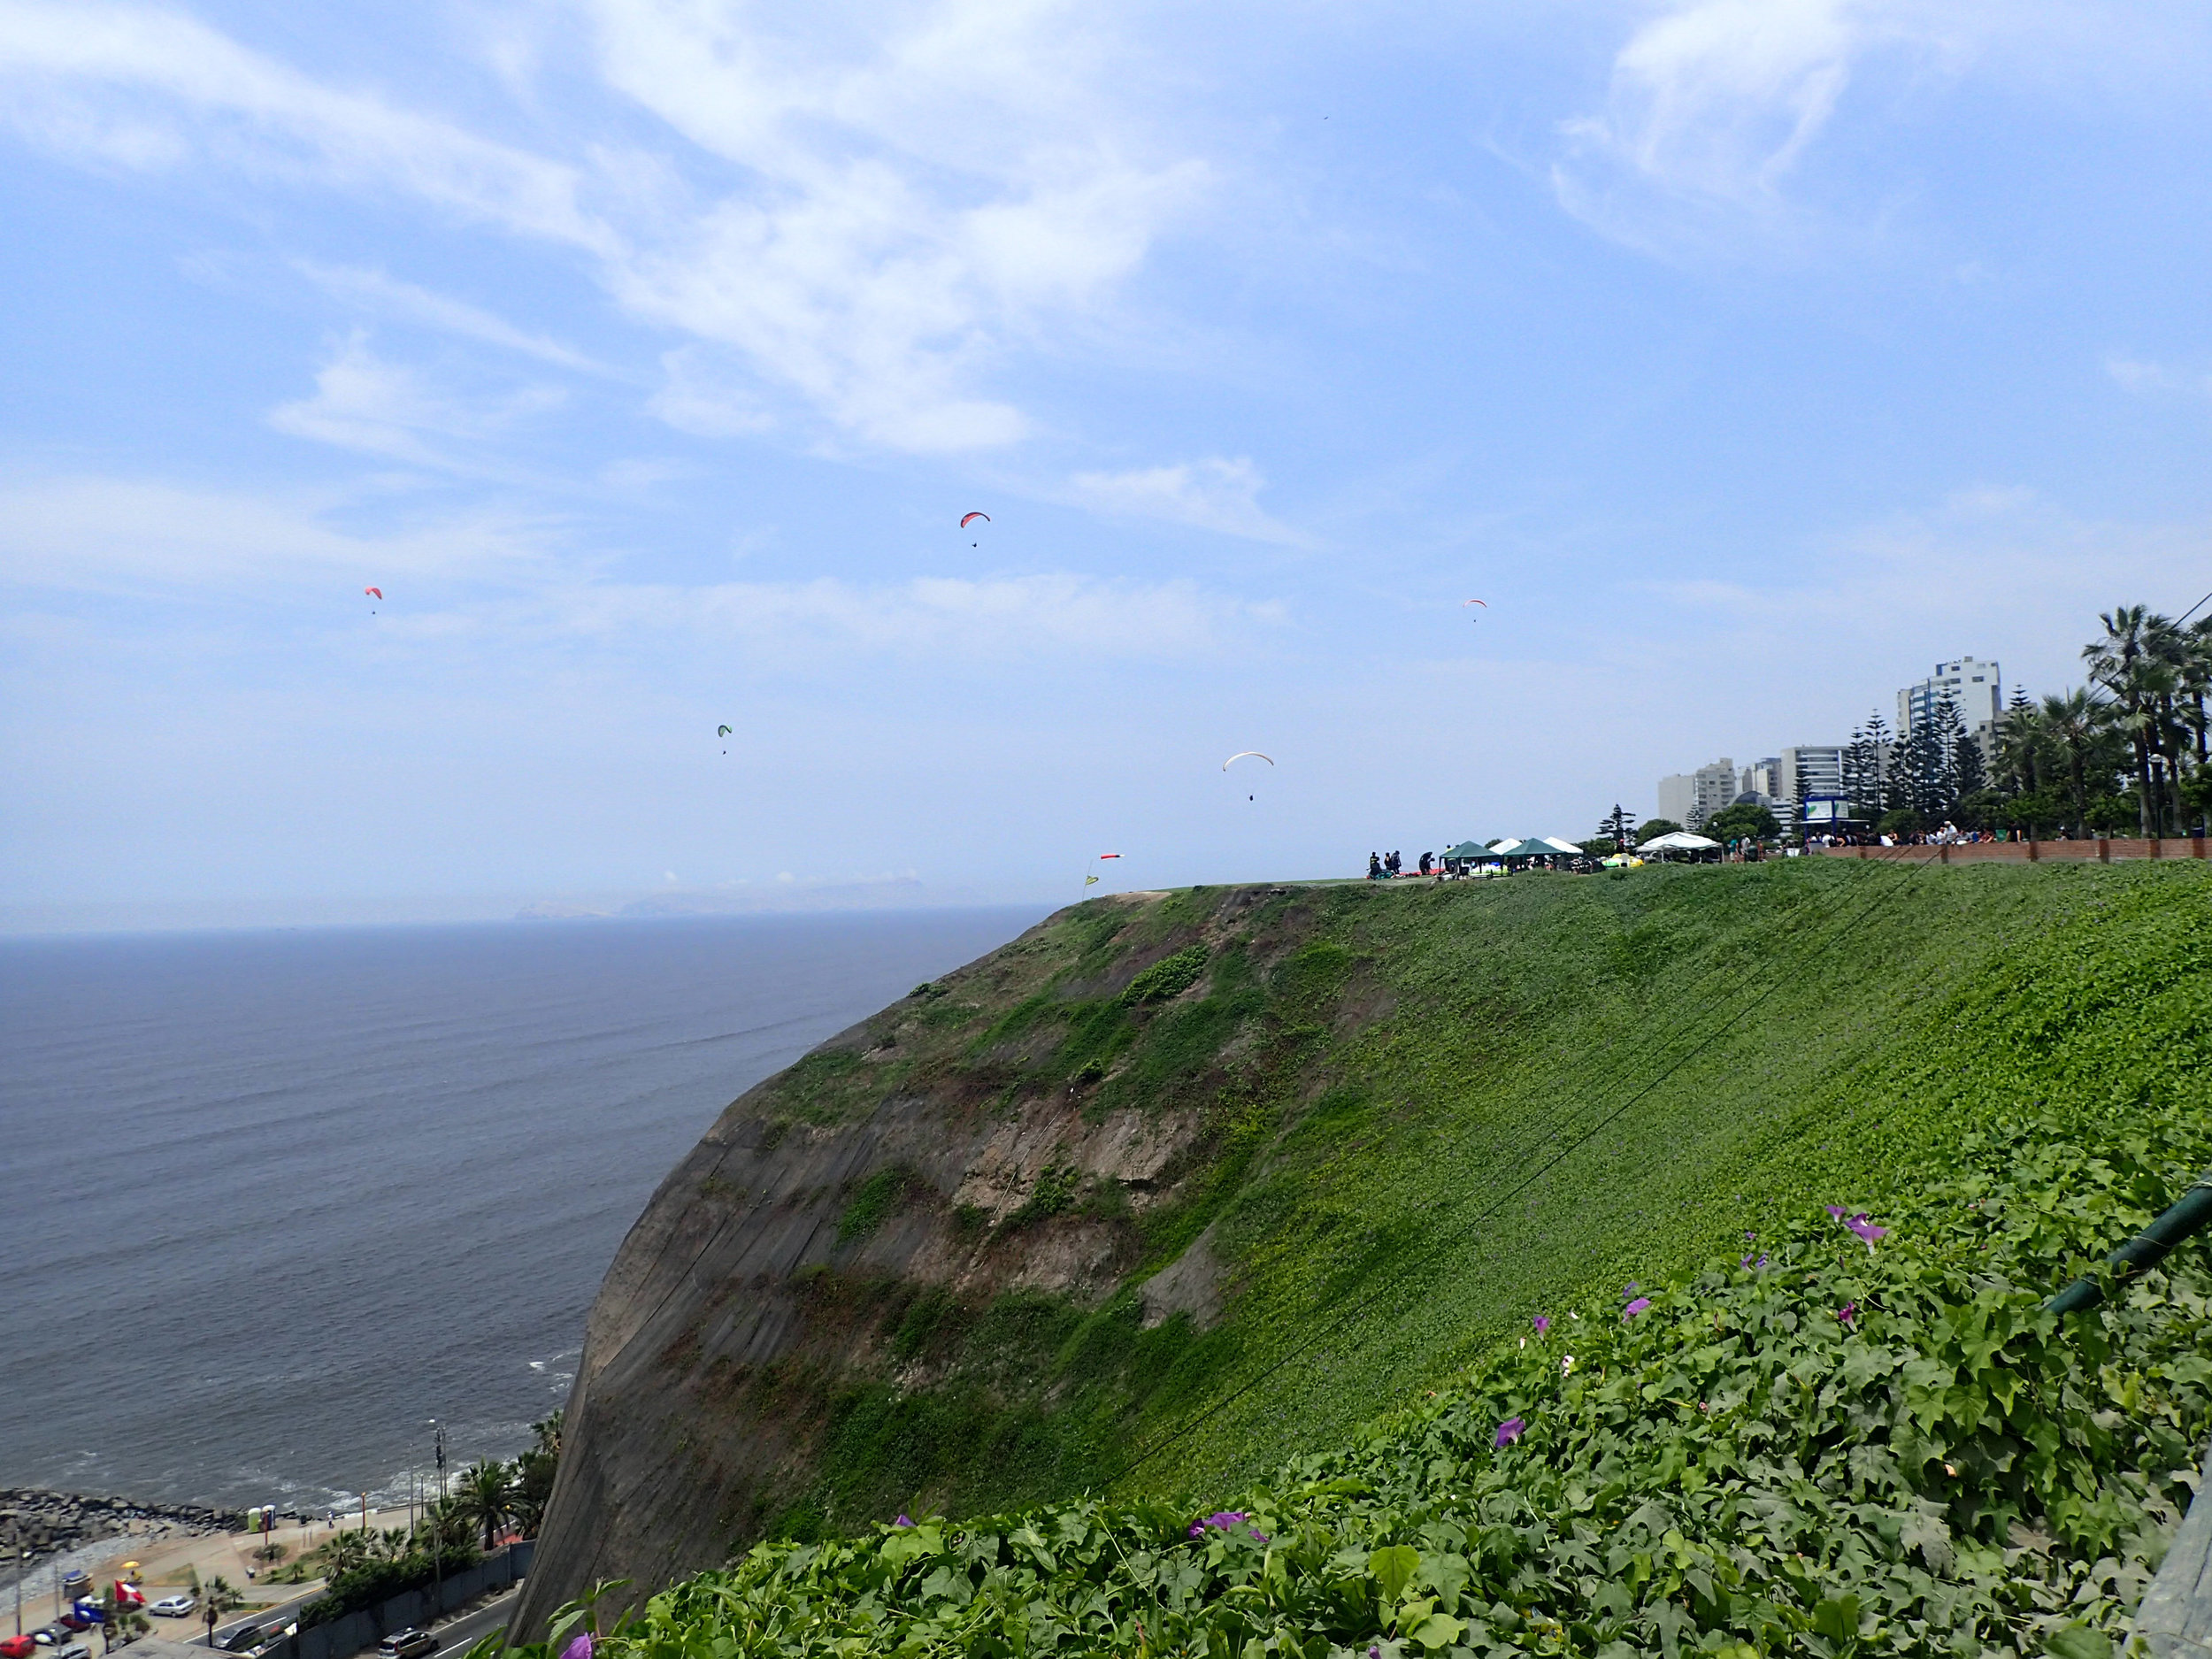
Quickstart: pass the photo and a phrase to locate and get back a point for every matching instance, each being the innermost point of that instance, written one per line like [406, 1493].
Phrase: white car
[174, 1606]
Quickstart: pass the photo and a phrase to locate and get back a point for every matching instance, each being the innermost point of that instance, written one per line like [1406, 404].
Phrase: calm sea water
[273, 1200]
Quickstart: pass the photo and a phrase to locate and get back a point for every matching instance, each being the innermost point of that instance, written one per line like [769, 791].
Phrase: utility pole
[437, 1524]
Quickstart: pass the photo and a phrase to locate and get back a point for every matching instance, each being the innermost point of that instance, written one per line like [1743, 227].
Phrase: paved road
[454, 1635]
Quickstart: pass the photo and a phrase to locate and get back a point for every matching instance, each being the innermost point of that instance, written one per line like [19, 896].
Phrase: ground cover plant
[1434, 1112]
[1860, 1433]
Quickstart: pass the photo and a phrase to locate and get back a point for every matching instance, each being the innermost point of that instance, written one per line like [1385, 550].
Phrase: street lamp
[437, 1524]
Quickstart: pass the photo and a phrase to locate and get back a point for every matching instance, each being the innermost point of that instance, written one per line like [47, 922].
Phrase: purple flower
[1635, 1307]
[580, 1648]
[903, 1520]
[1847, 1312]
[1509, 1432]
[1222, 1520]
[1374, 1653]
[1866, 1229]
[1543, 1322]
[1836, 1210]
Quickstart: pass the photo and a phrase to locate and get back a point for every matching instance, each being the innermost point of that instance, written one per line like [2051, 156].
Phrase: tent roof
[1677, 841]
[1554, 842]
[1468, 849]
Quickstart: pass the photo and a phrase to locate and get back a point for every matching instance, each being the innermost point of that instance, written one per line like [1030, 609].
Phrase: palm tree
[124, 1618]
[2071, 722]
[218, 1597]
[483, 1495]
[2137, 662]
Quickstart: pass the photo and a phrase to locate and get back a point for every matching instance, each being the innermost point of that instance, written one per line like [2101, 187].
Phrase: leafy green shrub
[1171, 976]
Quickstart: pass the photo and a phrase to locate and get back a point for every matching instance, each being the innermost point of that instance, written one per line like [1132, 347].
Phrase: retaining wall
[2103, 851]
[344, 1637]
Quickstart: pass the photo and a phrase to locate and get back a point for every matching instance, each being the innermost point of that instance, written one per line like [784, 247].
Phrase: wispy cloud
[1212, 493]
[362, 401]
[404, 301]
[78, 76]
[150, 538]
[517, 580]
[869, 214]
[2139, 375]
[1713, 105]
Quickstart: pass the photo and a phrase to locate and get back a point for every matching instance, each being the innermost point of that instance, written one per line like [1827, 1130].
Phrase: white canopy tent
[1677, 842]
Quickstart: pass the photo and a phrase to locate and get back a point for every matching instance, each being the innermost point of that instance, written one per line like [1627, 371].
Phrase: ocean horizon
[282, 1195]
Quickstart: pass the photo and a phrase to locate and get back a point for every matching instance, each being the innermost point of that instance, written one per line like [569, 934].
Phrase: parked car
[17, 1648]
[49, 1636]
[243, 1639]
[76, 1621]
[408, 1644]
[174, 1606]
[75, 1650]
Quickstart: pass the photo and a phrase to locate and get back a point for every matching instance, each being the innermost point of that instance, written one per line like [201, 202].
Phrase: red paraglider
[374, 593]
[970, 518]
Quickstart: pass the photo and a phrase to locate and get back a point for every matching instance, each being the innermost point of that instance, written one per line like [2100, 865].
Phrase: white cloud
[373, 291]
[515, 580]
[2139, 375]
[934, 619]
[921, 188]
[1212, 493]
[1714, 104]
[150, 538]
[870, 211]
[77, 76]
[362, 401]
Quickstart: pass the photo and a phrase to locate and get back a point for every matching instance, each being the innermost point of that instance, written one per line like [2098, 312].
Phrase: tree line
[363, 1568]
[2123, 751]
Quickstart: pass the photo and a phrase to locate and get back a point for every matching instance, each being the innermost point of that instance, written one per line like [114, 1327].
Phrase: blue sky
[1744, 357]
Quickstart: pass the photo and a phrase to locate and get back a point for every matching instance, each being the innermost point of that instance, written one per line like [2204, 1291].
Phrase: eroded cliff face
[860, 1289]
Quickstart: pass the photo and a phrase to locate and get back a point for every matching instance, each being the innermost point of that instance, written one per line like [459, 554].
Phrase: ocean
[275, 1200]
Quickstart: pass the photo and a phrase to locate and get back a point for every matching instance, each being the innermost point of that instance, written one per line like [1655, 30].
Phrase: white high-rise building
[1819, 764]
[1690, 798]
[1977, 687]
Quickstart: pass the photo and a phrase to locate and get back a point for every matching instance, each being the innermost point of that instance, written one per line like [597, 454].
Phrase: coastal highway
[453, 1636]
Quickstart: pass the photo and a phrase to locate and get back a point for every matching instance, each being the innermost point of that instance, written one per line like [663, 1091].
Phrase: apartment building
[1690, 798]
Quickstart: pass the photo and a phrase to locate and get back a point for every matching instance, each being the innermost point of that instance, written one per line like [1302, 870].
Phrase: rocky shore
[48, 1523]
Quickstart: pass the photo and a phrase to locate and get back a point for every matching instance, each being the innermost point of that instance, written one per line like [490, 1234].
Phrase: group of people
[1388, 866]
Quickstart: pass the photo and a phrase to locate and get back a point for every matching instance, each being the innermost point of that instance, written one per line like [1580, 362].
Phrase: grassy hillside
[1827, 1447]
[1425, 1113]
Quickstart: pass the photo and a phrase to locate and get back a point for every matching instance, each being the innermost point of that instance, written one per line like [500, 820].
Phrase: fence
[2103, 851]
[347, 1636]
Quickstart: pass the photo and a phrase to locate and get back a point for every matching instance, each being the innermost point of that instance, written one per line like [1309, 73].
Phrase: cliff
[1212, 1175]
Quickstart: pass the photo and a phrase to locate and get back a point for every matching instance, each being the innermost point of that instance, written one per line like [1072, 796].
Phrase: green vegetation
[1841, 1443]
[1417, 1115]
[365, 1568]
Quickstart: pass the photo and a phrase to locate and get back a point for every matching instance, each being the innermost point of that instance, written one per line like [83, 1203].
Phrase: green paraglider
[723, 731]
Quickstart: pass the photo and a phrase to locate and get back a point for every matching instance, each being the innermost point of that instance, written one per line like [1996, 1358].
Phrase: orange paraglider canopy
[970, 518]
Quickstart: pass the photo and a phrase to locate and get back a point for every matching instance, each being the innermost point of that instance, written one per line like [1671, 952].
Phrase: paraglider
[970, 518]
[723, 731]
[1485, 603]
[374, 593]
[1247, 754]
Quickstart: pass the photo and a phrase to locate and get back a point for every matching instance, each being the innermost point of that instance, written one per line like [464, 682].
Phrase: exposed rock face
[948, 1154]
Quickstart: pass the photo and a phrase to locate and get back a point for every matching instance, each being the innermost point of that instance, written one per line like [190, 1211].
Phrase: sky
[1744, 356]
